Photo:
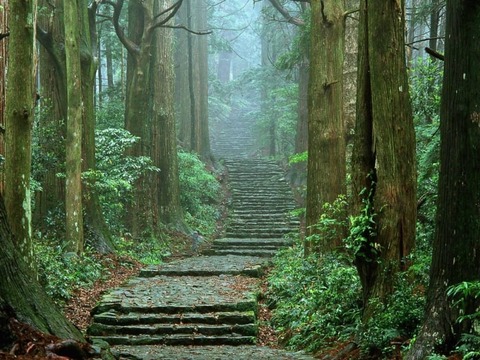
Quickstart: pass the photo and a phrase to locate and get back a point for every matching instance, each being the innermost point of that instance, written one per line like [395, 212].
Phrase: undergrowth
[317, 301]
[62, 273]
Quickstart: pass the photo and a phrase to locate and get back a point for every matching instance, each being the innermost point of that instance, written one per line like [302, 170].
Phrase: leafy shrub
[149, 251]
[396, 319]
[116, 172]
[199, 193]
[110, 112]
[425, 89]
[61, 273]
[332, 223]
[315, 299]
[462, 295]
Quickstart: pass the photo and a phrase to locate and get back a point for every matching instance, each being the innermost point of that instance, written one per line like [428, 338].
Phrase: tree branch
[187, 29]
[4, 35]
[174, 7]
[131, 47]
[291, 19]
[435, 54]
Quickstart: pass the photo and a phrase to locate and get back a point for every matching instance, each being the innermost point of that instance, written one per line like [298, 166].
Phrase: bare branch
[291, 19]
[435, 54]
[172, 9]
[187, 29]
[131, 47]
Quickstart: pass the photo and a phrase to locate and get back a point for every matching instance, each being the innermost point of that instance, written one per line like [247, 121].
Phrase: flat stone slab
[182, 294]
[205, 353]
[209, 266]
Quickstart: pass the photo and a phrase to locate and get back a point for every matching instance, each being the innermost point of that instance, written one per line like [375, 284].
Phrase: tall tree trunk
[434, 24]
[3, 68]
[73, 167]
[192, 80]
[363, 161]
[202, 49]
[182, 85]
[164, 150]
[326, 142]
[384, 157]
[94, 219]
[20, 101]
[456, 247]
[138, 115]
[22, 293]
[53, 92]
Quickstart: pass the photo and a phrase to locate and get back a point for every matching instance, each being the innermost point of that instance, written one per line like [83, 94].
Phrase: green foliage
[61, 273]
[219, 105]
[199, 193]
[116, 172]
[362, 230]
[111, 112]
[315, 299]
[148, 251]
[425, 89]
[279, 110]
[48, 142]
[298, 158]
[398, 318]
[332, 222]
[462, 296]
[299, 48]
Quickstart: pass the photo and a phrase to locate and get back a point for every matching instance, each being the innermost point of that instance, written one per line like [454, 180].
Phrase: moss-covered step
[182, 294]
[252, 266]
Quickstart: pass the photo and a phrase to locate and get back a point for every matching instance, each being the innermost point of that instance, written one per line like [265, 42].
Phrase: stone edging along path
[205, 307]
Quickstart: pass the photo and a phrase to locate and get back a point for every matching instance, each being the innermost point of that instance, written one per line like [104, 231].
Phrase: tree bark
[73, 166]
[326, 130]
[456, 247]
[101, 237]
[164, 148]
[23, 294]
[182, 85]
[20, 102]
[384, 155]
[3, 66]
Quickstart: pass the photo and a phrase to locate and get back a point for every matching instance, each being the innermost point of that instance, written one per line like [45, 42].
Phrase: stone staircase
[187, 308]
[233, 138]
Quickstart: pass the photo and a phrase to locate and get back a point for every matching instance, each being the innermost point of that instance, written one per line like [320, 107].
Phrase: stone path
[205, 307]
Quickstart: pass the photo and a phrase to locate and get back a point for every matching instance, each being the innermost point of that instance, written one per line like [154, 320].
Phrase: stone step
[234, 317]
[276, 208]
[176, 339]
[252, 242]
[239, 352]
[259, 233]
[181, 294]
[209, 266]
[265, 253]
[177, 329]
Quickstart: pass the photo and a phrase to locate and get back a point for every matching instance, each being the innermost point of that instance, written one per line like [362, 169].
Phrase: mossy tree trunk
[202, 49]
[73, 165]
[23, 294]
[384, 150]
[143, 214]
[53, 102]
[326, 142]
[93, 216]
[182, 92]
[164, 150]
[456, 246]
[20, 102]
[54, 90]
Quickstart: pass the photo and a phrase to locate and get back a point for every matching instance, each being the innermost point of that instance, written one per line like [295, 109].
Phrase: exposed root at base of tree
[28, 343]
